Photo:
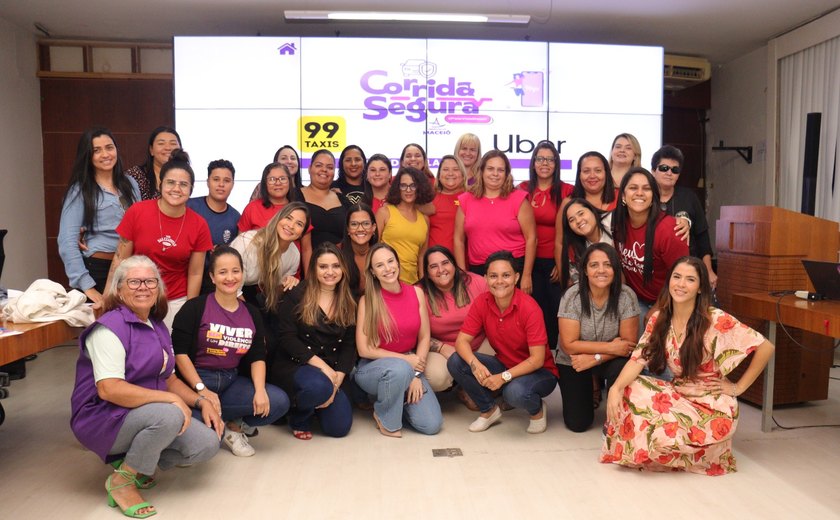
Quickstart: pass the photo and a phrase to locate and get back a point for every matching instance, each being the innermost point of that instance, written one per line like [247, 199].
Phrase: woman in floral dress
[685, 424]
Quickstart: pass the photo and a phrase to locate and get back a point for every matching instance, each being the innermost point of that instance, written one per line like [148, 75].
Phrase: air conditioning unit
[685, 71]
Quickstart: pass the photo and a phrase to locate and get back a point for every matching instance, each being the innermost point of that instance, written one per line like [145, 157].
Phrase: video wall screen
[241, 98]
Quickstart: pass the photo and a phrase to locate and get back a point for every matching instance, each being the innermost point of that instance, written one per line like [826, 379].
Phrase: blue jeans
[313, 388]
[524, 392]
[387, 380]
[236, 393]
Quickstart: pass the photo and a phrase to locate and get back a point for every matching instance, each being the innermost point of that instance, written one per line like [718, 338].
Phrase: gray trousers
[149, 438]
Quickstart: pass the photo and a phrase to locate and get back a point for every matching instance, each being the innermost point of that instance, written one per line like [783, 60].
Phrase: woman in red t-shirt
[378, 174]
[644, 238]
[180, 240]
[451, 182]
[275, 191]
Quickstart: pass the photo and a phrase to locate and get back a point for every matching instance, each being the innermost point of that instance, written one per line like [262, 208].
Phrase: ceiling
[719, 30]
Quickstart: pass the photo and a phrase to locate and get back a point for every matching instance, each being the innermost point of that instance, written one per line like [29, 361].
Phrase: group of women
[384, 290]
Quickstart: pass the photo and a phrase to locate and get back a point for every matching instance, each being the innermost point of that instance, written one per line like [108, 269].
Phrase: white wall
[738, 117]
[21, 166]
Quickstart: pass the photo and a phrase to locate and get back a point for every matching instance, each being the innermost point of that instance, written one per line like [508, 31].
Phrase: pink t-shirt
[168, 242]
[447, 326]
[442, 223]
[404, 308]
[667, 249]
[492, 225]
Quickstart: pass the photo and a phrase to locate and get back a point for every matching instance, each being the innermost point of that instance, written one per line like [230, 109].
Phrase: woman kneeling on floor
[316, 345]
[122, 403]
[216, 337]
[392, 338]
[522, 367]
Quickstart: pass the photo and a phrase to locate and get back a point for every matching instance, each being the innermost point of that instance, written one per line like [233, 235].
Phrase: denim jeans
[522, 392]
[236, 393]
[313, 388]
[387, 380]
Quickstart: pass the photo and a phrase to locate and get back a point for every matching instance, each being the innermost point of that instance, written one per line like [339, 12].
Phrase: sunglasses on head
[664, 168]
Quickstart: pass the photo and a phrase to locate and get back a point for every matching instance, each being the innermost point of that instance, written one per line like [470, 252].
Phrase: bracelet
[200, 398]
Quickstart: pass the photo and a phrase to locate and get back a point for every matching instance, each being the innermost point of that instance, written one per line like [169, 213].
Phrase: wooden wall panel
[129, 108]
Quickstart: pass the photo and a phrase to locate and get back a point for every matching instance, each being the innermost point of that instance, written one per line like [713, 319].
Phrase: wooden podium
[759, 249]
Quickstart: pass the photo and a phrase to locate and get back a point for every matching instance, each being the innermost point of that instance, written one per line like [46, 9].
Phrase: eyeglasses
[135, 283]
[172, 183]
[364, 224]
[408, 187]
[277, 180]
[664, 168]
[543, 160]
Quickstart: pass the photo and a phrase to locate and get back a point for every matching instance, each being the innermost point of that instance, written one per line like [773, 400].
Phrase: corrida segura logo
[417, 94]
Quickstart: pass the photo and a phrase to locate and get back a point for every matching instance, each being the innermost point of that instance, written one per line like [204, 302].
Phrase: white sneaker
[250, 431]
[238, 444]
[539, 425]
[482, 423]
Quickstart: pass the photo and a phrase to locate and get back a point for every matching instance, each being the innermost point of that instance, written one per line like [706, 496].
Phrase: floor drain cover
[448, 452]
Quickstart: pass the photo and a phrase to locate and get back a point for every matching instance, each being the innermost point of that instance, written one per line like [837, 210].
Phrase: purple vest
[96, 422]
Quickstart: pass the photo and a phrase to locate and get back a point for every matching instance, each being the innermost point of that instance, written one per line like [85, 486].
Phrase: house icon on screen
[287, 49]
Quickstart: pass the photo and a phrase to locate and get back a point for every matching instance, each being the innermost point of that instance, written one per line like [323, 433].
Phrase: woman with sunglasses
[682, 203]
[401, 224]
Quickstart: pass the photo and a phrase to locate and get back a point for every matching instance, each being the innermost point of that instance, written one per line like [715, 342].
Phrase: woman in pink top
[393, 352]
[495, 217]
[449, 293]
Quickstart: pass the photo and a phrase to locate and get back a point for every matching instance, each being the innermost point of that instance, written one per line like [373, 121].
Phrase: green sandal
[131, 481]
[140, 480]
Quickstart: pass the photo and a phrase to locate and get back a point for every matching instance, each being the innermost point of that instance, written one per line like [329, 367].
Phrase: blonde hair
[507, 187]
[469, 138]
[377, 317]
[343, 307]
[269, 264]
[637, 149]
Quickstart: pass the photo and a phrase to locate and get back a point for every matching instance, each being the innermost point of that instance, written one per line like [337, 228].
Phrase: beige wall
[21, 167]
[738, 117]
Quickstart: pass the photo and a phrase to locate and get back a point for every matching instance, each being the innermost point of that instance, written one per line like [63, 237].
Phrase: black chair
[2, 251]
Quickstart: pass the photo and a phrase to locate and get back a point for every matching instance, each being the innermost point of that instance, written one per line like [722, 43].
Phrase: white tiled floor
[504, 472]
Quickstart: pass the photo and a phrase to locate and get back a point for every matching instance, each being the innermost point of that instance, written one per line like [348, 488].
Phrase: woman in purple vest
[128, 406]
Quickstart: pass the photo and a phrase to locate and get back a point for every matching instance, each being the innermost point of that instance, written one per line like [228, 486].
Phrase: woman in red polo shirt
[522, 367]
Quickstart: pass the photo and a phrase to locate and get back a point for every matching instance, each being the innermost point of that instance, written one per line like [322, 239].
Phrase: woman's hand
[289, 283]
[620, 347]
[262, 406]
[614, 404]
[416, 362]
[720, 386]
[479, 371]
[211, 418]
[493, 382]
[415, 391]
[525, 284]
[213, 398]
[555, 274]
[331, 374]
[331, 398]
[581, 362]
[96, 297]
[682, 229]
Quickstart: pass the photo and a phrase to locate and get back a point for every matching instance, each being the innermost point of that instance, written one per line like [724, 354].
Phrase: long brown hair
[343, 308]
[692, 349]
[269, 255]
[377, 316]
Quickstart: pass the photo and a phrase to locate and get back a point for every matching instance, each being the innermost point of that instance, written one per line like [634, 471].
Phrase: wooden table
[822, 317]
[36, 337]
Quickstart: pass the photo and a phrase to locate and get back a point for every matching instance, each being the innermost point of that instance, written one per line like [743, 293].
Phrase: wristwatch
[417, 373]
[597, 358]
[199, 386]
[507, 376]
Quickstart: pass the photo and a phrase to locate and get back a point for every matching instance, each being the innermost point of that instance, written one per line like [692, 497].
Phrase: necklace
[678, 335]
[167, 242]
[599, 335]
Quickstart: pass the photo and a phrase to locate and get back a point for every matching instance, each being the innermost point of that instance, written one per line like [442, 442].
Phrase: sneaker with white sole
[250, 431]
[238, 444]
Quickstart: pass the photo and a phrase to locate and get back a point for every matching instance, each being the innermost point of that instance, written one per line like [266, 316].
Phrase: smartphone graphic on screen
[532, 89]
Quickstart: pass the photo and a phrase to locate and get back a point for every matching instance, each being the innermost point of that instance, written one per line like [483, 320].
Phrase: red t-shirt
[512, 332]
[167, 241]
[545, 215]
[256, 216]
[667, 249]
[442, 223]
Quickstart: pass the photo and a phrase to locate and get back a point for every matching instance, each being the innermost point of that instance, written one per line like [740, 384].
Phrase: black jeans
[547, 295]
[576, 390]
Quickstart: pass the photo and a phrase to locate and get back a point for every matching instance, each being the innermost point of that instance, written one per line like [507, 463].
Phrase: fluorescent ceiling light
[379, 16]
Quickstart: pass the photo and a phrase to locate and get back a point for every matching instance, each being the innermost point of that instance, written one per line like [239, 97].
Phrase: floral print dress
[662, 429]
